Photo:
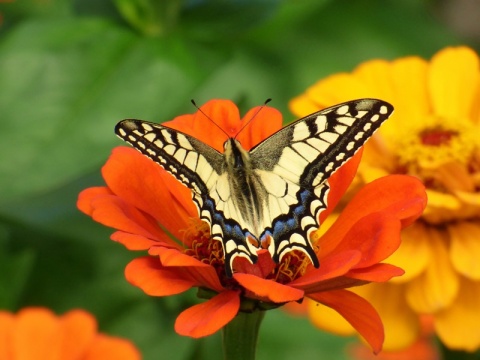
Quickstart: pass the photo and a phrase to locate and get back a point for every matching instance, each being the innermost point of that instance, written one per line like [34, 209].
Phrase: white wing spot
[374, 118]
[340, 129]
[340, 157]
[122, 132]
[342, 110]
[350, 146]
[346, 120]
[329, 136]
[321, 122]
[383, 109]
[150, 136]
[147, 127]
[359, 135]
[318, 144]
[300, 131]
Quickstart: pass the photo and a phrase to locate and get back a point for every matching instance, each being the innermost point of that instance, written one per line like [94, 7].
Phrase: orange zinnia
[37, 334]
[433, 135]
[151, 210]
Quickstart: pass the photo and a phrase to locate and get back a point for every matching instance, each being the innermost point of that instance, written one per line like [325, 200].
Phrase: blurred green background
[71, 69]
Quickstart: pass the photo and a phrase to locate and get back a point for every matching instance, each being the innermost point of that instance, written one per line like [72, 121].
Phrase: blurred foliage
[70, 69]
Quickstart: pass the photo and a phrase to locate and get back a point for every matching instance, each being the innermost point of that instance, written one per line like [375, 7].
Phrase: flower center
[202, 247]
[434, 141]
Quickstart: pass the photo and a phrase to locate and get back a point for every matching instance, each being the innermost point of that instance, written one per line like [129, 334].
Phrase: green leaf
[65, 84]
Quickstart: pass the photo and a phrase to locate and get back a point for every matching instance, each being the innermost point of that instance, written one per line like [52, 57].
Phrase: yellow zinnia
[434, 135]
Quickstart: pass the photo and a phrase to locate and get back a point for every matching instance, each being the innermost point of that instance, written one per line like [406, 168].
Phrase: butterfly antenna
[253, 117]
[208, 117]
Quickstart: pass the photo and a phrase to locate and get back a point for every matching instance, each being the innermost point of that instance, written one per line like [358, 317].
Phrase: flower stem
[240, 335]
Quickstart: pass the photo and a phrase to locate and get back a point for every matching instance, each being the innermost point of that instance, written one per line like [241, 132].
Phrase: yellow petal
[401, 323]
[328, 319]
[413, 255]
[453, 82]
[465, 248]
[437, 287]
[377, 76]
[338, 88]
[458, 325]
[409, 77]
[302, 105]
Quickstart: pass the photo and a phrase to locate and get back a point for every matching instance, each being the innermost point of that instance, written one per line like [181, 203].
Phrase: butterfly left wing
[199, 167]
[302, 156]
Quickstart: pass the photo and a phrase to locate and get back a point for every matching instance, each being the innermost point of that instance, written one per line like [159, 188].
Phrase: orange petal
[137, 242]
[266, 121]
[114, 212]
[358, 312]
[148, 274]
[110, 348]
[401, 196]
[85, 198]
[376, 236]
[339, 183]
[7, 321]
[218, 120]
[77, 330]
[208, 317]
[437, 287]
[146, 186]
[268, 289]
[330, 268]
[36, 335]
[465, 248]
[457, 325]
[376, 273]
[199, 272]
[453, 81]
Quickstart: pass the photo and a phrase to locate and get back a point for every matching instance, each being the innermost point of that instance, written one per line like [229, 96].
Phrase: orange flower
[151, 210]
[433, 135]
[37, 334]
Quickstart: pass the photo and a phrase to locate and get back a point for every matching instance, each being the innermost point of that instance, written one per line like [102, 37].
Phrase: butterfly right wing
[199, 167]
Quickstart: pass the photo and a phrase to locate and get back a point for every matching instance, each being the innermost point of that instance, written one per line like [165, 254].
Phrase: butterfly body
[271, 196]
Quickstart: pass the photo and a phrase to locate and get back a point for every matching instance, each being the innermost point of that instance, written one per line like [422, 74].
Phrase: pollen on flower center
[435, 141]
[203, 247]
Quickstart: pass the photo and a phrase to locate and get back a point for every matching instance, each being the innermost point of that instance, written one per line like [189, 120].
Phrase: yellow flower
[434, 134]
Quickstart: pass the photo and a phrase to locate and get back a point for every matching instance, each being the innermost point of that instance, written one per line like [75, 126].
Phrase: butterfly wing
[301, 157]
[202, 169]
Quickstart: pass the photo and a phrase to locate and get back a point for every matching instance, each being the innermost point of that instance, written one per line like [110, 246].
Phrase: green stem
[240, 335]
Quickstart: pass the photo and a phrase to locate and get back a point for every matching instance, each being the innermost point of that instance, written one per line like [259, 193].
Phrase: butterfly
[271, 196]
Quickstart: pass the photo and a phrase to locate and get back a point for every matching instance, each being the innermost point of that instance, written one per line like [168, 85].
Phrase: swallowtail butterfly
[271, 196]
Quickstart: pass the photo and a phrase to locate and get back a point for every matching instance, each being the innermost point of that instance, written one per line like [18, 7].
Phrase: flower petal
[85, 198]
[201, 274]
[465, 248]
[146, 186]
[111, 348]
[401, 323]
[437, 287]
[78, 329]
[331, 267]
[149, 275]
[453, 82]
[208, 317]
[358, 312]
[415, 245]
[36, 334]
[268, 289]
[401, 196]
[214, 124]
[136, 242]
[112, 211]
[376, 236]
[7, 322]
[376, 273]
[457, 325]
